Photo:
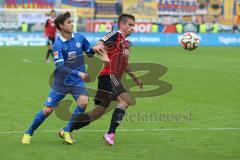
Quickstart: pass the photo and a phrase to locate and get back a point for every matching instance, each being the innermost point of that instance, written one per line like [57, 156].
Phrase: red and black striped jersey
[50, 29]
[118, 50]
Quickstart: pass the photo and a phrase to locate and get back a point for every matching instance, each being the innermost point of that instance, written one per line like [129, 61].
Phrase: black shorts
[50, 41]
[109, 88]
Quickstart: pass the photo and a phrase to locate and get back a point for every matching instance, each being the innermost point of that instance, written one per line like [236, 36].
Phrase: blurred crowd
[152, 16]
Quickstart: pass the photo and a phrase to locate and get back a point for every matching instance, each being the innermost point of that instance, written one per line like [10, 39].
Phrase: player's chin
[129, 34]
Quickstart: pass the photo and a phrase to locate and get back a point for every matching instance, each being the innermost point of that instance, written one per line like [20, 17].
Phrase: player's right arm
[102, 52]
[108, 41]
[98, 49]
[59, 63]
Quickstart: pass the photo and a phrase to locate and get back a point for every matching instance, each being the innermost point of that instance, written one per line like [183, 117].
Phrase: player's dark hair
[123, 18]
[52, 10]
[61, 18]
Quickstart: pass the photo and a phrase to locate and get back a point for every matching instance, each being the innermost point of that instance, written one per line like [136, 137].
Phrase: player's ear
[60, 25]
[121, 24]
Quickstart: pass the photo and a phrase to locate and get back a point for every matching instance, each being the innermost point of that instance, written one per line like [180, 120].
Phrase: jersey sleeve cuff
[90, 52]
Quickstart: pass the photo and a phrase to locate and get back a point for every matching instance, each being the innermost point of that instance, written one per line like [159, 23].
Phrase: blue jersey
[69, 60]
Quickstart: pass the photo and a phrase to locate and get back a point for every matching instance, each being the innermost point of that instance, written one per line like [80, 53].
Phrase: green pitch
[197, 120]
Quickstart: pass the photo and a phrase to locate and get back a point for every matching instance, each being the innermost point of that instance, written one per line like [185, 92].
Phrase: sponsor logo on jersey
[55, 55]
[125, 52]
[49, 99]
[78, 44]
[125, 47]
[72, 55]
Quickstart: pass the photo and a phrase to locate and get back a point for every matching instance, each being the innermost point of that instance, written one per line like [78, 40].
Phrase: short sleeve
[87, 47]
[109, 38]
[57, 54]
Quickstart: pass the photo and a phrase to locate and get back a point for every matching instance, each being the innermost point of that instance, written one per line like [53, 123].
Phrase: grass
[197, 119]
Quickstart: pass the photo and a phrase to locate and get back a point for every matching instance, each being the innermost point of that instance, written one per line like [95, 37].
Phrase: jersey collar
[63, 39]
[121, 34]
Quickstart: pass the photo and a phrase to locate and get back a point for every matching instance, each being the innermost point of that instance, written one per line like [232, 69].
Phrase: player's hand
[99, 49]
[85, 76]
[139, 83]
[103, 53]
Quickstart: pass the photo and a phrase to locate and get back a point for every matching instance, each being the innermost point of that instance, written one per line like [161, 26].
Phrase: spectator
[154, 28]
[102, 27]
[24, 27]
[235, 28]
[114, 26]
[215, 27]
[179, 28]
[203, 27]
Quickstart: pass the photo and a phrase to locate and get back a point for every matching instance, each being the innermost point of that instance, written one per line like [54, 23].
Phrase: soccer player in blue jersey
[110, 86]
[69, 76]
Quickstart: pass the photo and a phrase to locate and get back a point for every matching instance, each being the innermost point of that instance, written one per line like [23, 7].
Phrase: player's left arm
[130, 72]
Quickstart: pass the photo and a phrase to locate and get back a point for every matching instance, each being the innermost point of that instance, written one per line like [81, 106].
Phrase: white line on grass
[135, 130]
[27, 61]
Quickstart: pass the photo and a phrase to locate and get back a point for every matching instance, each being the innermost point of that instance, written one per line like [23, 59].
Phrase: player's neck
[66, 36]
[125, 36]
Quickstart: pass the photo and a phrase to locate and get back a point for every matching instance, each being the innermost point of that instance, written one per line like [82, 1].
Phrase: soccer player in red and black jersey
[50, 32]
[110, 86]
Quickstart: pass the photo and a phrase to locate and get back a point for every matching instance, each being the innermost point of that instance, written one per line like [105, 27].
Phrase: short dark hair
[52, 10]
[123, 18]
[61, 18]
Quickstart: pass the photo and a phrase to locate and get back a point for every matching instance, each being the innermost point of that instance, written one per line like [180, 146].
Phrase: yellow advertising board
[141, 9]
